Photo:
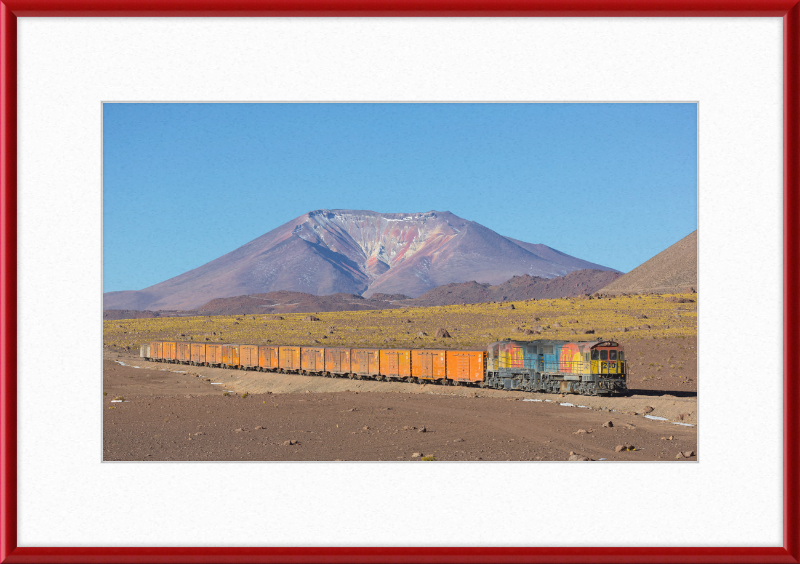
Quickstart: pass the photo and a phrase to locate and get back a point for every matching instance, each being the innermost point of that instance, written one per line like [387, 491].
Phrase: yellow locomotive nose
[608, 367]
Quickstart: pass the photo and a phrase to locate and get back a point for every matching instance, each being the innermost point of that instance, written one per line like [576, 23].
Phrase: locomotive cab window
[621, 355]
[547, 349]
[612, 355]
[595, 355]
[603, 355]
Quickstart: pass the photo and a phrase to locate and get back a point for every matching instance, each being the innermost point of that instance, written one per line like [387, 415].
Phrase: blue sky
[184, 184]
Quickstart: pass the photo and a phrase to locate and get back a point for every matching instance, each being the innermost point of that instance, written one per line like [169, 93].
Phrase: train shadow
[658, 393]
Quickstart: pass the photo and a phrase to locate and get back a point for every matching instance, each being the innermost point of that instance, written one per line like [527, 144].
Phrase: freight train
[587, 368]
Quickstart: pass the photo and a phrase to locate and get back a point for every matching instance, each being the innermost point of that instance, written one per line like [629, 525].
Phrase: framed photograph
[75, 77]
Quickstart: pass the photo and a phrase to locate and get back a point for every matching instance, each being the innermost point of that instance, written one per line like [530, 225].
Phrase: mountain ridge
[525, 287]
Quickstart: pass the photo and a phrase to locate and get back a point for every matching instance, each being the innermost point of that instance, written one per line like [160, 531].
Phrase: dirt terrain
[178, 412]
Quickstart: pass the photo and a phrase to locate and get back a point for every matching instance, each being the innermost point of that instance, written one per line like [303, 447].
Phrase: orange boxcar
[466, 366]
[213, 355]
[289, 358]
[198, 353]
[428, 365]
[248, 356]
[169, 351]
[155, 349]
[230, 355]
[395, 363]
[183, 352]
[268, 358]
[365, 362]
[337, 360]
[312, 359]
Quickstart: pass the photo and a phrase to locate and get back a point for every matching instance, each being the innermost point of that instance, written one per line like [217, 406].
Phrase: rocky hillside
[670, 271]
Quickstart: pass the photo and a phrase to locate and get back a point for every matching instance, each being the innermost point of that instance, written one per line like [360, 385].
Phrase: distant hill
[523, 287]
[327, 252]
[670, 271]
[130, 314]
[110, 314]
[297, 302]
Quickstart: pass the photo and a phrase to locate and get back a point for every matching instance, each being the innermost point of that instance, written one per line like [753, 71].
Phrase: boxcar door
[463, 366]
[362, 361]
[426, 364]
[392, 367]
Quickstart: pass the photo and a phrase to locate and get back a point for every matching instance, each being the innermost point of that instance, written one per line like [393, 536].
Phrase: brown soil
[662, 365]
[167, 405]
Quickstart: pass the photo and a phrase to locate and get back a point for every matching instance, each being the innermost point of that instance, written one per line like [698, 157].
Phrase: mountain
[673, 270]
[356, 252]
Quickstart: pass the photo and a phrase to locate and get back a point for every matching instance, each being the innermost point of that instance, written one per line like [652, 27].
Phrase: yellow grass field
[470, 326]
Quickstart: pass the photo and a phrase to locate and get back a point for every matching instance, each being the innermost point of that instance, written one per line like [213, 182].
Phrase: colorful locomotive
[587, 368]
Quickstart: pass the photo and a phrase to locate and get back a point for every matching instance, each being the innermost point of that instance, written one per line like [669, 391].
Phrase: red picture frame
[789, 10]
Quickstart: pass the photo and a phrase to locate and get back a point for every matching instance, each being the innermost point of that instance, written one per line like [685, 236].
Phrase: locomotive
[574, 367]
[586, 368]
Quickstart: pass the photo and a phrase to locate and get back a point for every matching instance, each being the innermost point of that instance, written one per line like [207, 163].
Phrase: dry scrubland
[620, 318]
[179, 413]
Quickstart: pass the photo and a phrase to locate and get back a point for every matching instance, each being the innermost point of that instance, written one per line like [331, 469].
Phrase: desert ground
[177, 412]
[159, 411]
